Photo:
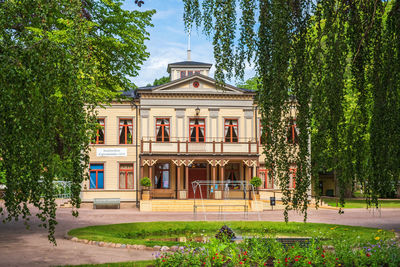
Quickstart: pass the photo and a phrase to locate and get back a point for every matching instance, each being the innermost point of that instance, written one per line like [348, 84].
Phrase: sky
[168, 41]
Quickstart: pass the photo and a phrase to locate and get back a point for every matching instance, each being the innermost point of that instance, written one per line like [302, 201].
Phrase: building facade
[184, 131]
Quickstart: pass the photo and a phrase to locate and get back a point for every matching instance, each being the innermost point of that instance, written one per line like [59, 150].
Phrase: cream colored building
[184, 131]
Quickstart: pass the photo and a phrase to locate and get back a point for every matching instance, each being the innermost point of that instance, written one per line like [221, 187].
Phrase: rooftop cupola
[186, 68]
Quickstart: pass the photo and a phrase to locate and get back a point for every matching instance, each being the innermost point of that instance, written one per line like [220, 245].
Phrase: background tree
[250, 84]
[58, 61]
[160, 81]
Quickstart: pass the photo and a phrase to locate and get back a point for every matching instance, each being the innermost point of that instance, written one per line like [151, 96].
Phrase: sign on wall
[111, 152]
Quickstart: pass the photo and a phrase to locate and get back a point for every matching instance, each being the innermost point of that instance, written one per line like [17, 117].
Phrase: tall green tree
[58, 61]
[336, 63]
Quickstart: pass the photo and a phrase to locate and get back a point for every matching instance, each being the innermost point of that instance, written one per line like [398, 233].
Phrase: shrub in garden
[225, 233]
[269, 252]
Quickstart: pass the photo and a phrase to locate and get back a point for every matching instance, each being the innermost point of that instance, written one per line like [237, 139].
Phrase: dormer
[184, 69]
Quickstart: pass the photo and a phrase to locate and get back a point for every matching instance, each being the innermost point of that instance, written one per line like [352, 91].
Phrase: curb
[121, 246]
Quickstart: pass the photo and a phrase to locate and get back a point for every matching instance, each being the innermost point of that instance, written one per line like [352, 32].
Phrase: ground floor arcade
[174, 177]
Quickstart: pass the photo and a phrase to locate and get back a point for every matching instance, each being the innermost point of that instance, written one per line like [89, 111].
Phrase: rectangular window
[183, 74]
[161, 178]
[197, 72]
[267, 178]
[125, 131]
[292, 132]
[232, 174]
[126, 175]
[99, 138]
[96, 176]
[190, 73]
[162, 129]
[231, 131]
[263, 133]
[292, 173]
[197, 130]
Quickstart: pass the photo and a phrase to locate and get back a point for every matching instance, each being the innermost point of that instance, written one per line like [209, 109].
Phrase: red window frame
[292, 127]
[183, 74]
[190, 72]
[162, 125]
[96, 141]
[160, 172]
[97, 174]
[197, 126]
[230, 129]
[125, 130]
[266, 173]
[126, 175]
[293, 173]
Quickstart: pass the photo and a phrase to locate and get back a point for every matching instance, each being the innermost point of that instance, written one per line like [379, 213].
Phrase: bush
[269, 252]
[256, 181]
[145, 181]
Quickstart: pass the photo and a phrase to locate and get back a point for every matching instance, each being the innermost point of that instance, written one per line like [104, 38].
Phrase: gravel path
[21, 247]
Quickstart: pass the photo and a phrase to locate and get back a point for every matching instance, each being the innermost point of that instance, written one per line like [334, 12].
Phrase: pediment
[197, 84]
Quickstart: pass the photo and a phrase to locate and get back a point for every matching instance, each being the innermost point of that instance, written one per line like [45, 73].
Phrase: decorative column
[249, 163]
[182, 194]
[222, 165]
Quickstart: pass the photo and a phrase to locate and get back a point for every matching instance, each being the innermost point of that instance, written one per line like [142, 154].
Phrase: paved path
[21, 247]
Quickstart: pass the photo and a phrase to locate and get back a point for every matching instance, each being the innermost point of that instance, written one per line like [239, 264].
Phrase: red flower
[309, 262]
[292, 246]
[337, 259]
[368, 255]
[296, 259]
[285, 259]
[240, 262]
[204, 263]
[323, 256]
[163, 260]
[323, 251]
[213, 258]
[216, 254]
[245, 259]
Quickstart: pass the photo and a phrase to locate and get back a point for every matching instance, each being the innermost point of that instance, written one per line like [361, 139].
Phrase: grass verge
[360, 203]
[164, 233]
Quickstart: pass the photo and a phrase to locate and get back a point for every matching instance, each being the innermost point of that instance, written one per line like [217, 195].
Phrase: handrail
[184, 145]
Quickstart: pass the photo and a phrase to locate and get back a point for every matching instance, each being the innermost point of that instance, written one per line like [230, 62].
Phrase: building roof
[186, 78]
[129, 93]
[188, 64]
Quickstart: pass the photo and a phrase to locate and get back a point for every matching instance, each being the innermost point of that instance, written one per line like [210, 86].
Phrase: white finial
[188, 51]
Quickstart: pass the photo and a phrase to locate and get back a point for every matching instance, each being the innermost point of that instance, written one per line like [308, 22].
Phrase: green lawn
[152, 233]
[119, 264]
[360, 203]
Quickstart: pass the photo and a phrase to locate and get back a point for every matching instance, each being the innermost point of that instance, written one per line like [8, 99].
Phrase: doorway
[198, 172]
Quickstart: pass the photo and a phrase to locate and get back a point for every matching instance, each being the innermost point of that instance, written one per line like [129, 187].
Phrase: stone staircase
[65, 204]
[210, 205]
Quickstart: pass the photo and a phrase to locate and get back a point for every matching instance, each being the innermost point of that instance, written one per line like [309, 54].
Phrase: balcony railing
[212, 146]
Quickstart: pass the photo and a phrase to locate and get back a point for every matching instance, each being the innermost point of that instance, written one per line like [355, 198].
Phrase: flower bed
[269, 252]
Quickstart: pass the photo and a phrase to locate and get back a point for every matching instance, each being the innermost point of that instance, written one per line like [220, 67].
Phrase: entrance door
[199, 174]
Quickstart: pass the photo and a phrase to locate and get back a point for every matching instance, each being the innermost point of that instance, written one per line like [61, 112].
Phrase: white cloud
[163, 14]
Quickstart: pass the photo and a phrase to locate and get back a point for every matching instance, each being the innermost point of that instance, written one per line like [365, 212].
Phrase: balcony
[213, 146]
